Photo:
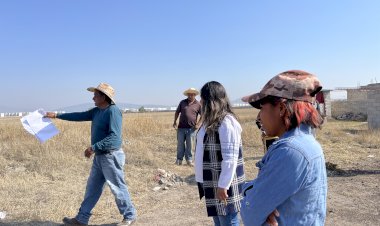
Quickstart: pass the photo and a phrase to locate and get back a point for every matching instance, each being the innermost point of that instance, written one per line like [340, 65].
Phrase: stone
[162, 181]
[156, 188]
[161, 171]
[3, 215]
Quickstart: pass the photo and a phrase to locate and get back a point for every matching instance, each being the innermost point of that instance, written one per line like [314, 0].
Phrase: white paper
[2, 215]
[42, 128]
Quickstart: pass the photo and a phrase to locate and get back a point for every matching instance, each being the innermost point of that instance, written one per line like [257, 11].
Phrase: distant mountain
[84, 107]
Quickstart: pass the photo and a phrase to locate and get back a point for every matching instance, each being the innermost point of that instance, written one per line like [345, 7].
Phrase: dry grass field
[42, 183]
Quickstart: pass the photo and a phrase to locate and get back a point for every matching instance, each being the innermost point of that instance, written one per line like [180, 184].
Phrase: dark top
[189, 113]
[106, 126]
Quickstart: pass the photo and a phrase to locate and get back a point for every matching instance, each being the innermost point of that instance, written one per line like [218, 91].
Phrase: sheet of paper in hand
[42, 128]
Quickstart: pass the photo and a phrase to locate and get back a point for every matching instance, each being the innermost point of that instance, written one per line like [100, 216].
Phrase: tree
[142, 109]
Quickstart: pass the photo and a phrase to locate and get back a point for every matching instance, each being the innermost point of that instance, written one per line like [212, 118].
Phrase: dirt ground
[353, 167]
[42, 192]
[353, 199]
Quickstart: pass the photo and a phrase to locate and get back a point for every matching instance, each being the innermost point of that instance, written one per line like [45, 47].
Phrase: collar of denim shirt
[302, 129]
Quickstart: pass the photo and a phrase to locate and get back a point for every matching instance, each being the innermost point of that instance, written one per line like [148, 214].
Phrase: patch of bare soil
[354, 194]
[178, 206]
[353, 199]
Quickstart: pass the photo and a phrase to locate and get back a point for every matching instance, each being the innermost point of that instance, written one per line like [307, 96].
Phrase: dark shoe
[126, 222]
[178, 162]
[71, 221]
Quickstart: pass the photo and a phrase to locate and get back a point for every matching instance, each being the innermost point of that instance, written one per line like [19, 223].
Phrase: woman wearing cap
[292, 176]
[218, 156]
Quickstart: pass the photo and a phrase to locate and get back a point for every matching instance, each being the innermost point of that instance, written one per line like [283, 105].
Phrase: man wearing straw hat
[188, 110]
[109, 160]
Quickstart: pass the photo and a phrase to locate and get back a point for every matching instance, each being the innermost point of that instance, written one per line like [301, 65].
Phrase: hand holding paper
[39, 126]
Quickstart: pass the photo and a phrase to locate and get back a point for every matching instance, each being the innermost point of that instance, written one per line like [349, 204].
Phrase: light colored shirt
[292, 179]
[230, 141]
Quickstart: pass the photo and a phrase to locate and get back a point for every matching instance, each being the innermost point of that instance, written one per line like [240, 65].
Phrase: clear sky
[152, 50]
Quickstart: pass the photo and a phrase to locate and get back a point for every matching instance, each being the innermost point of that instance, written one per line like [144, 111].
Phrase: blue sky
[150, 51]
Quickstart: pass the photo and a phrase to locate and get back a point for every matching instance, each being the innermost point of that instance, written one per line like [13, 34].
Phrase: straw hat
[191, 90]
[106, 89]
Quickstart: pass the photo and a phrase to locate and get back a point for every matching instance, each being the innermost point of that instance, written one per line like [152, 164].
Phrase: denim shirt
[292, 179]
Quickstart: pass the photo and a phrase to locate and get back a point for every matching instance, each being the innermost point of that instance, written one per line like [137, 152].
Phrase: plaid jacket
[212, 159]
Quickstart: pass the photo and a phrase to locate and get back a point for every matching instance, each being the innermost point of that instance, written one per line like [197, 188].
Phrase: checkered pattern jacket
[212, 159]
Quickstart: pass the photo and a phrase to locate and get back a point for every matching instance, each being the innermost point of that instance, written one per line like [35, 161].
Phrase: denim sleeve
[113, 138]
[76, 116]
[280, 176]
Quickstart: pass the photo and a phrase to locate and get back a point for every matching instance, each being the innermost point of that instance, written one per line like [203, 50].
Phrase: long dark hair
[215, 105]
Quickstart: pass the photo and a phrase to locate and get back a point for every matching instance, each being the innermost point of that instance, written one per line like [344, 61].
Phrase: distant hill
[84, 107]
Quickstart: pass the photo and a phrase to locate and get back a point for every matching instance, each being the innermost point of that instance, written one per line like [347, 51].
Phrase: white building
[241, 105]
[2, 115]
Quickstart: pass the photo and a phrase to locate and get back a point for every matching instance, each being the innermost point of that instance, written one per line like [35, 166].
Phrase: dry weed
[44, 182]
